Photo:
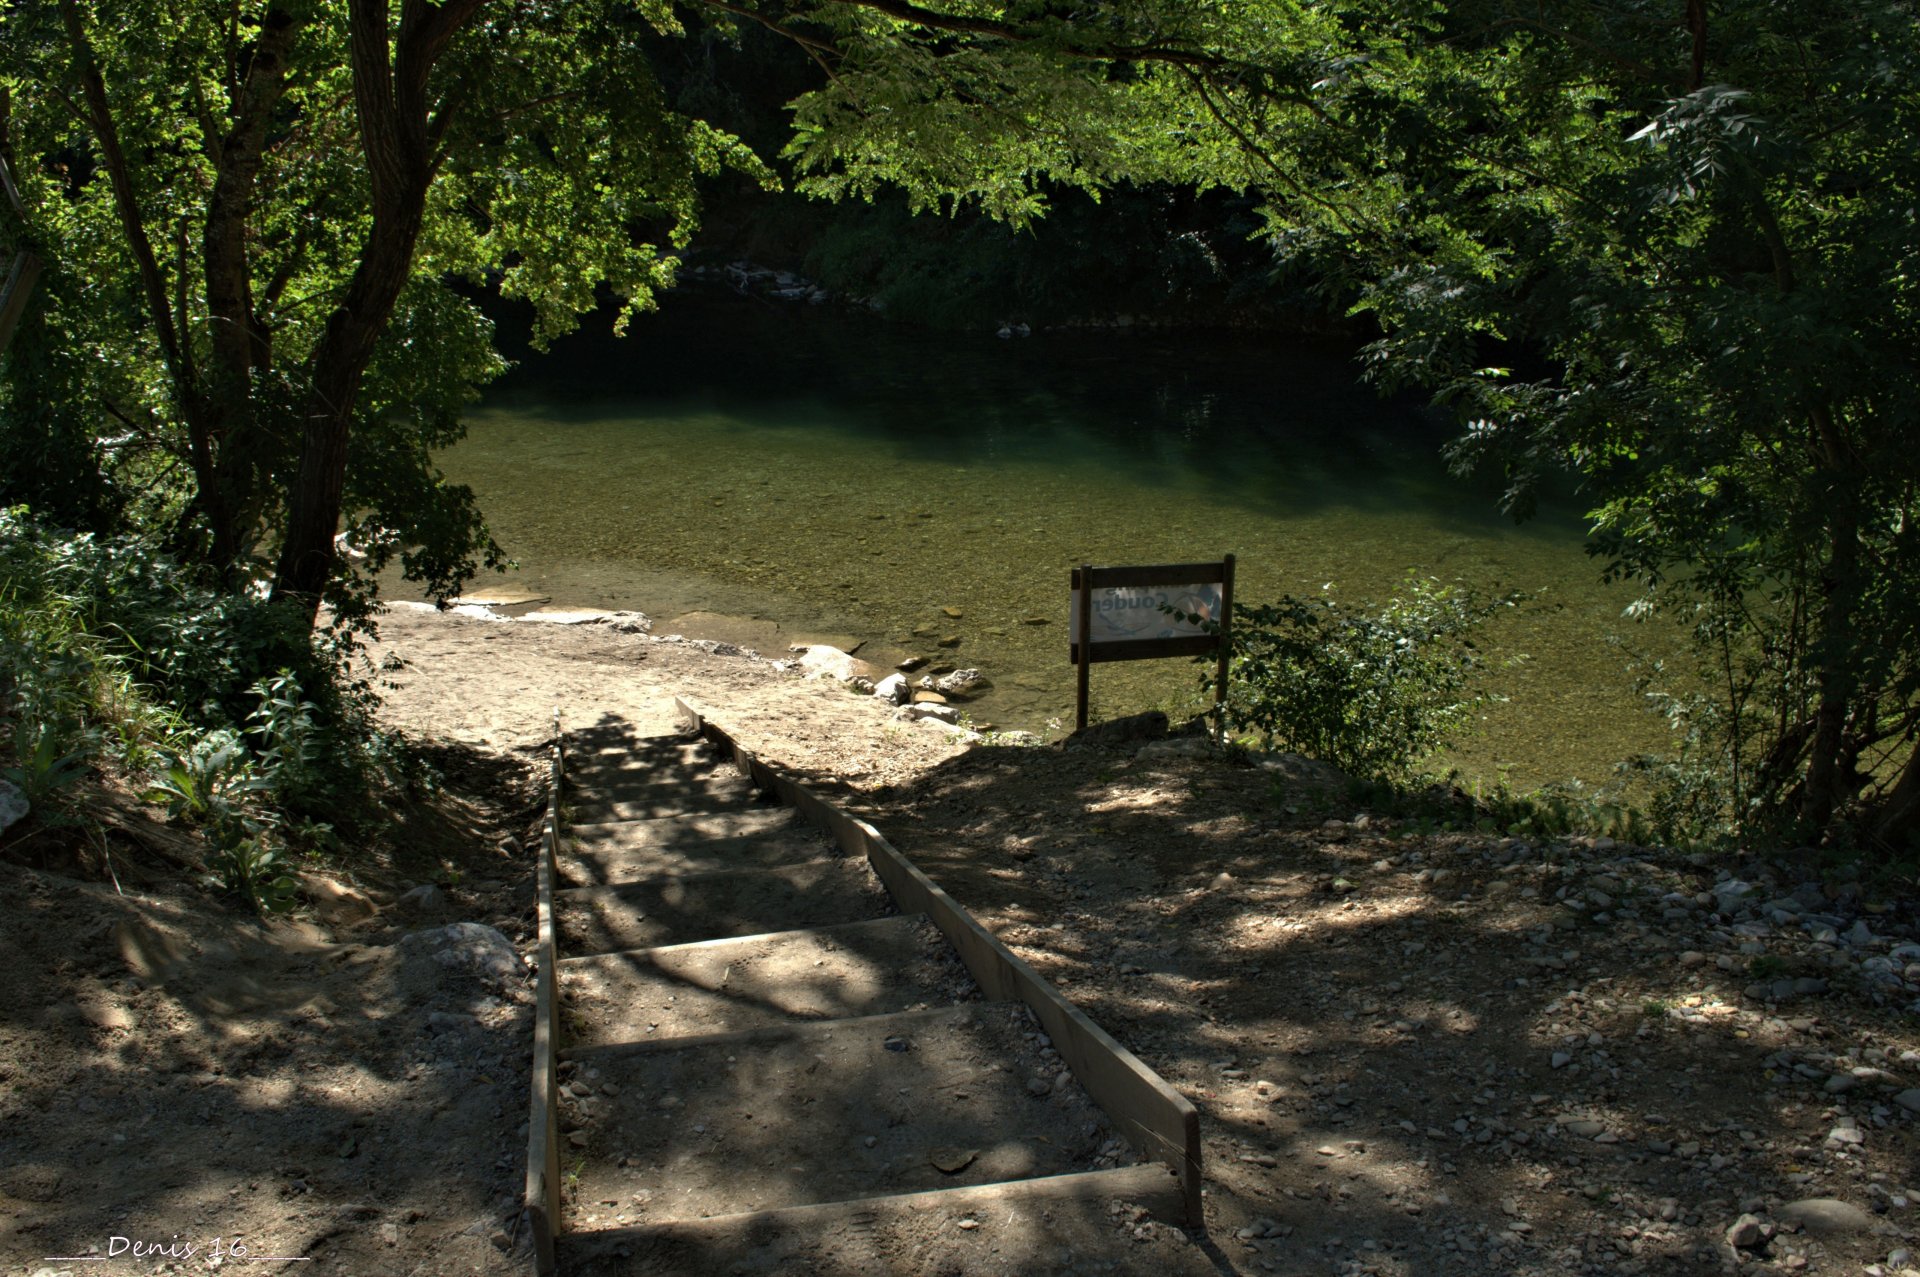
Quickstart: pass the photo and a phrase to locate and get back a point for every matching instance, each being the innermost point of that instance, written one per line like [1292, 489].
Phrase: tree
[256, 210]
[1670, 248]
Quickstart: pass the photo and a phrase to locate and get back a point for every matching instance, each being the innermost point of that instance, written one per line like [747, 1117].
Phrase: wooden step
[682, 833]
[1041, 1227]
[832, 1111]
[723, 986]
[617, 739]
[601, 861]
[711, 906]
[640, 800]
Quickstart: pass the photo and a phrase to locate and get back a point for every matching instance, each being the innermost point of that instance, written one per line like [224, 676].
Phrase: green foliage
[1674, 252]
[1157, 252]
[209, 782]
[256, 871]
[1373, 691]
[228, 265]
[1555, 811]
[43, 770]
[99, 636]
[285, 736]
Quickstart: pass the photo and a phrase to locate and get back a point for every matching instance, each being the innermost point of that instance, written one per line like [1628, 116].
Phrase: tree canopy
[1670, 248]
[257, 215]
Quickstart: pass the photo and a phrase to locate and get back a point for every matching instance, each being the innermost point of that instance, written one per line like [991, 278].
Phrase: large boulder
[820, 661]
[459, 949]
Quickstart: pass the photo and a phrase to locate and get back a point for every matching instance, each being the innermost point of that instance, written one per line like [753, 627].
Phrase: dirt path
[1415, 1052]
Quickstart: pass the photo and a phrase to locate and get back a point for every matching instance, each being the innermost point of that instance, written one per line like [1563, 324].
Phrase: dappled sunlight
[1402, 1043]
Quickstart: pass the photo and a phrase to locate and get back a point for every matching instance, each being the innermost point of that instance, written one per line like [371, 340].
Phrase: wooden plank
[1225, 661]
[543, 1121]
[1082, 645]
[1159, 574]
[1146, 649]
[1159, 1121]
[692, 881]
[1147, 1186]
[696, 946]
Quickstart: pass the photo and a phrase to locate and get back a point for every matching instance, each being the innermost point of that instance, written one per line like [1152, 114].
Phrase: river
[737, 458]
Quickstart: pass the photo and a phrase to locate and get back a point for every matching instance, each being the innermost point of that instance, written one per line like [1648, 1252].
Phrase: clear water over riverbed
[841, 476]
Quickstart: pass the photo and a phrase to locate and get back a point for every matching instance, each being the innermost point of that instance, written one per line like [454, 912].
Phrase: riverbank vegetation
[1671, 252]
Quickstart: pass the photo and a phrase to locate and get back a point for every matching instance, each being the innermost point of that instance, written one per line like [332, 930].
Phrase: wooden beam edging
[1157, 1120]
[543, 1120]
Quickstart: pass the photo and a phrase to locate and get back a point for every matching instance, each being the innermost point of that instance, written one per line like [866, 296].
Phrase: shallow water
[842, 476]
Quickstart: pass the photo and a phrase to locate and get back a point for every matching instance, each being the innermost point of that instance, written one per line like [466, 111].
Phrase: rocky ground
[1425, 1052]
[1415, 1051]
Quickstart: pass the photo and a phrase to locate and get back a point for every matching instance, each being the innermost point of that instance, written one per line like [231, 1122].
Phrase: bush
[1373, 691]
[251, 727]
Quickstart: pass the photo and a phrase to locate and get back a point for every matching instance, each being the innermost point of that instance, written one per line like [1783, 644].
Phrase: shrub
[252, 728]
[1371, 690]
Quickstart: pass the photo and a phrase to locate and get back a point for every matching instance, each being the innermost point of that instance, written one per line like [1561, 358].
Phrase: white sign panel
[1128, 614]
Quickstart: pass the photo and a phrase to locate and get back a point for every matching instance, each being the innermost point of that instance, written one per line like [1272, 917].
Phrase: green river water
[733, 458]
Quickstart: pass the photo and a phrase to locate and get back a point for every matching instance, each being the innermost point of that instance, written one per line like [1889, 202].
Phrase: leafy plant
[208, 782]
[284, 731]
[1373, 691]
[255, 870]
[46, 767]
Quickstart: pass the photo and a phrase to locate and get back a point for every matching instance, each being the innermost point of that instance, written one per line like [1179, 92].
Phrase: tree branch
[99, 118]
[237, 342]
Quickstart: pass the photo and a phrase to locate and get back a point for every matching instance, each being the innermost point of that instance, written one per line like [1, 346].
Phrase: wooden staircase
[765, 1039]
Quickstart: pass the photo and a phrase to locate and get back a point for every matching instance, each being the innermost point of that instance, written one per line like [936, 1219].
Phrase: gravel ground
[1414, 1052]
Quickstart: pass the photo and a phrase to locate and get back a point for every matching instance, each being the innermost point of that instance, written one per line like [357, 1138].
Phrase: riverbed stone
[893, 689]
[630, 623]
[966, 682]
[821, 661]
[1825, 1216]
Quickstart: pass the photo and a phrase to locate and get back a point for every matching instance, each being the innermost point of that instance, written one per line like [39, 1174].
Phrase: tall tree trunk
[399, 133]
[238, 344]
[24, 269]
[175, 352]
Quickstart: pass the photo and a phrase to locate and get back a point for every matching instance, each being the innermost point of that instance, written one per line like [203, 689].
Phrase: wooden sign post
[1118, 616]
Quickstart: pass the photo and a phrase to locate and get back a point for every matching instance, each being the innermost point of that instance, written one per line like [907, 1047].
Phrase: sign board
[1119, 614]
[1125, 615]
